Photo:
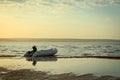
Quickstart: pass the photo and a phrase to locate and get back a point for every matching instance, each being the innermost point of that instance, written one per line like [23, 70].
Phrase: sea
[65, 47]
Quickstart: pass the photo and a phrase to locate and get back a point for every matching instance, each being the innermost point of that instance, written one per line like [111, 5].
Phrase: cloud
[17, 1]
[56, 4]
[100, 3]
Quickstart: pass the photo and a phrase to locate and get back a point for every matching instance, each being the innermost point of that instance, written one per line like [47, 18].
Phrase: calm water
[67, 48]
[77, 66]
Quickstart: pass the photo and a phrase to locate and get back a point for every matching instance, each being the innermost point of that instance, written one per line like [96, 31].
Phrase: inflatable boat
[48, 52]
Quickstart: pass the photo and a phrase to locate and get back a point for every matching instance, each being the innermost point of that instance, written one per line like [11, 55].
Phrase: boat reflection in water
[45, 58]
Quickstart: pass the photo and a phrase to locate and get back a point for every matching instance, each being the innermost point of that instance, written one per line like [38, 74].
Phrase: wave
[4, 49]
[9, 56]
[60, 56]
[104, 57]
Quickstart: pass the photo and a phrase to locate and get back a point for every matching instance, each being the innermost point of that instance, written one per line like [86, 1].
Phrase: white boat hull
[49, 52]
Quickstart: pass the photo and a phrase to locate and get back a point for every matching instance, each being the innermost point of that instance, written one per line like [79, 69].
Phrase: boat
[40, 53]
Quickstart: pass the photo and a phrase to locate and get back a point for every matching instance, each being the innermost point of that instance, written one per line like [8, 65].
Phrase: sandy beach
[59, 69]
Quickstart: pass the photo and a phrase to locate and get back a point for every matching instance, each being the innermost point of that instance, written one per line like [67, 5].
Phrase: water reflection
[36, 59]
[65, 65]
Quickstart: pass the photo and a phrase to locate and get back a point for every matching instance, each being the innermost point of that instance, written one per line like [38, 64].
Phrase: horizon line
[55, 39]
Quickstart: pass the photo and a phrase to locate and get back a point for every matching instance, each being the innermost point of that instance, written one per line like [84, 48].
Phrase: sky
[81, 19]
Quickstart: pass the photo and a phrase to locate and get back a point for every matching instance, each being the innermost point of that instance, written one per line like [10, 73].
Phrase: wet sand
[59, 69]
[26, 74]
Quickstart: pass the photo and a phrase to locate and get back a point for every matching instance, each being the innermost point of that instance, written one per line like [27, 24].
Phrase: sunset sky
[82, 19]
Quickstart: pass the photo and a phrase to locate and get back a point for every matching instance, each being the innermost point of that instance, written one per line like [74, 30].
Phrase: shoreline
[27, 74]
[57, 56]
